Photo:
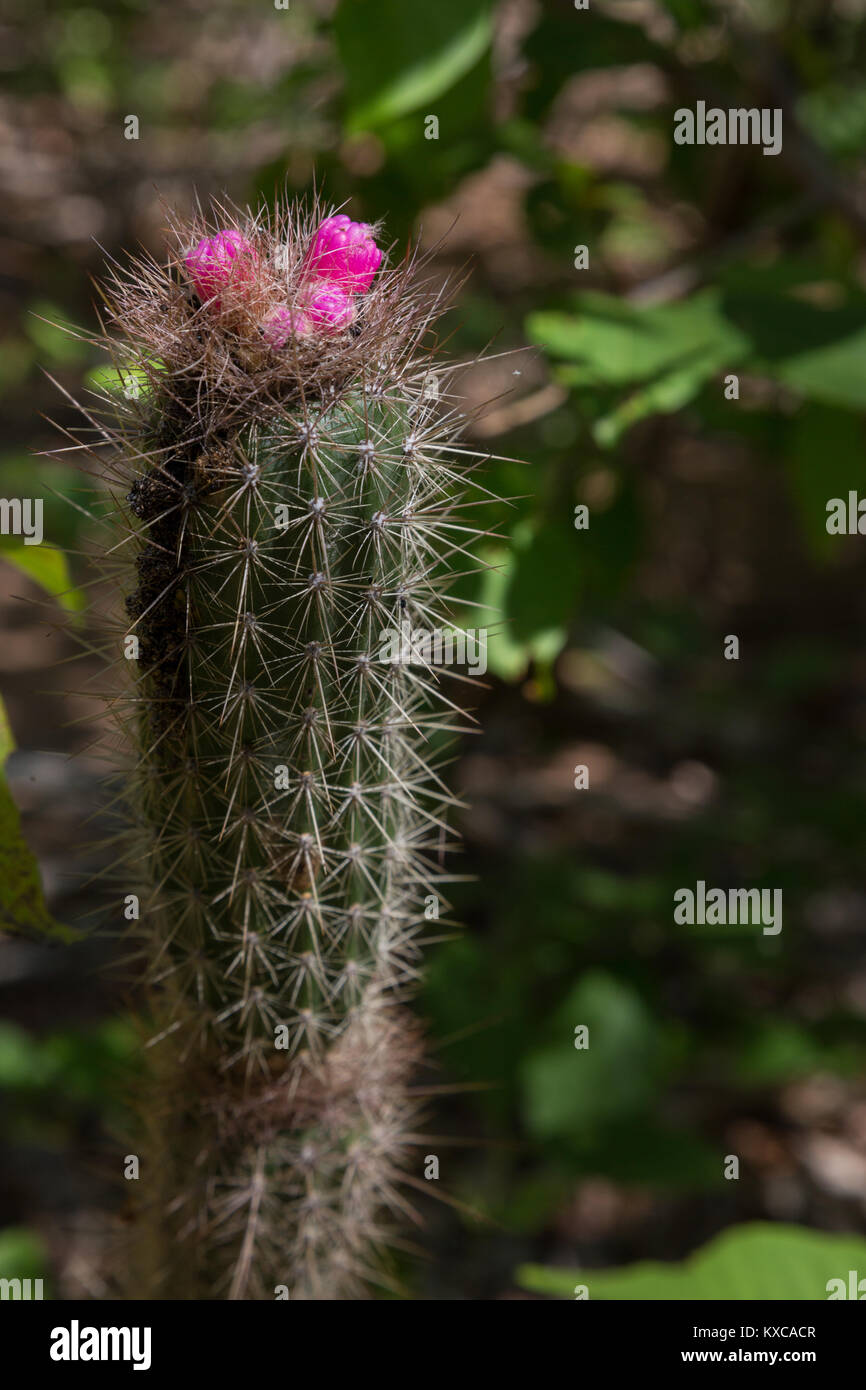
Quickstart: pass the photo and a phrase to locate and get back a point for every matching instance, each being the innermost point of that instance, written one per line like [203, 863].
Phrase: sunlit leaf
[509, 655]
[396, 61]
[50, 569]
[619, 344]
[759, 1261]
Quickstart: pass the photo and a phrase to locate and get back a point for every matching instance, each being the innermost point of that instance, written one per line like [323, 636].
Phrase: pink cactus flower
[216, 260]
[344, 253]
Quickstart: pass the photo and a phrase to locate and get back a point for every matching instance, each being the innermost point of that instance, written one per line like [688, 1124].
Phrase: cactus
[283, 445]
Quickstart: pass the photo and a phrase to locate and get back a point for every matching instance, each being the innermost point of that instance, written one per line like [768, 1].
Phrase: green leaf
[835, 114]
[22, 1254]
[759, 1261]
[396, 62]
[16, 359]
[671, 392]
[816, 350]
[7, 738]
[825, 460]
[778, 1050]
[80, 1061]
[508, 655]
[49, 568]
[544, 580]
[618, 344]
[611, 546]
[666, 353]
[569, 1091]
[833, 374]
[54, 334]
[22, 905]
[68, 497]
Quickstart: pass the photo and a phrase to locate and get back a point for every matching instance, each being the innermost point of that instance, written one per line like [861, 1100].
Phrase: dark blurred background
[707, 518]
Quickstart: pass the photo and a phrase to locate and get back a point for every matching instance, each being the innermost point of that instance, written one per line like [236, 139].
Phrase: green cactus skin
[286, 510]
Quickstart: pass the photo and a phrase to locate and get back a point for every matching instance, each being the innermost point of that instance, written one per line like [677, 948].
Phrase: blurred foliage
[85, 1062]
[760, 1262]
[22, 906]
[22, 1255]
[554, 132]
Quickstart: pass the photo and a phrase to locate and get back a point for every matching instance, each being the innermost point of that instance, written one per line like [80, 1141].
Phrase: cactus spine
[292, 496]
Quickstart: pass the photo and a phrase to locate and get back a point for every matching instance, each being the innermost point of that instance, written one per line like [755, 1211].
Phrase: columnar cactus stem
[292, 499]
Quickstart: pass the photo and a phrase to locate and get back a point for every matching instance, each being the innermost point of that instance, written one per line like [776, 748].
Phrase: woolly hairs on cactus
[284, 464]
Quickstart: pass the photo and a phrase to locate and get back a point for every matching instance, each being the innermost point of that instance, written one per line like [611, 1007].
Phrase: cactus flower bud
[344, 253]
[325, 310]
[330, 309]
[216, 260]
[281, 323]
